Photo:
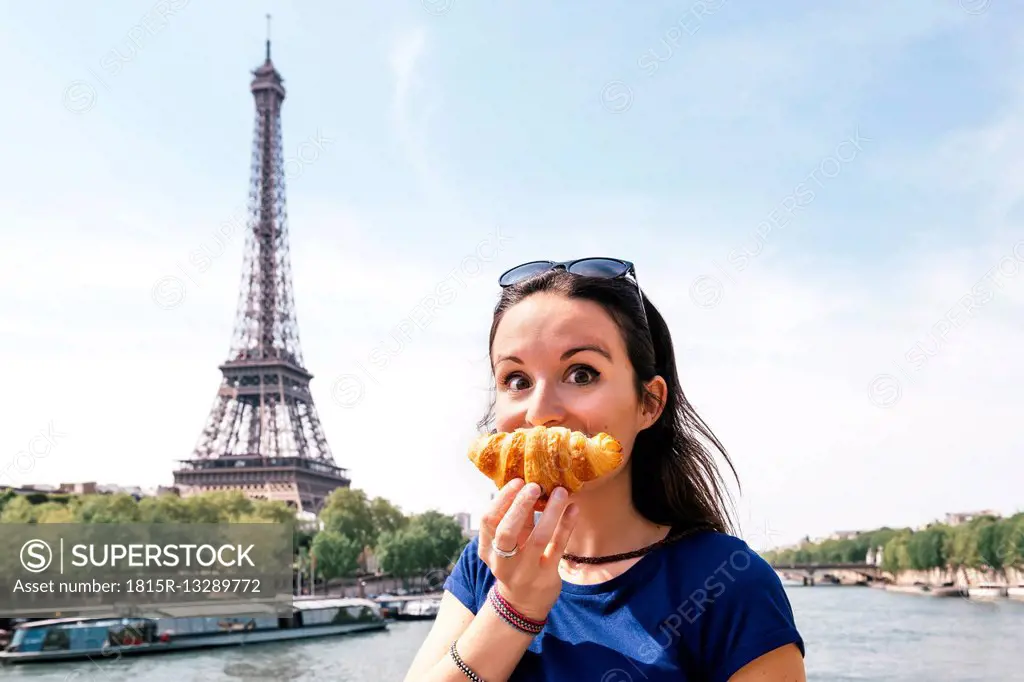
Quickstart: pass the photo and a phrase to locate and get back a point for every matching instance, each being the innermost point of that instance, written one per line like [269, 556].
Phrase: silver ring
[502, 553]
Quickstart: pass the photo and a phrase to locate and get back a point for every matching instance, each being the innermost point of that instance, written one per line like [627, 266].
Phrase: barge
[188, 627]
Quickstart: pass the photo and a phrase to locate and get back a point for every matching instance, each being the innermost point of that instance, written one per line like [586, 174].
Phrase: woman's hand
[529, 580]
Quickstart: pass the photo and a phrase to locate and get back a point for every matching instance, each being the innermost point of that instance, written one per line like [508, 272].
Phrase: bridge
[809, 572]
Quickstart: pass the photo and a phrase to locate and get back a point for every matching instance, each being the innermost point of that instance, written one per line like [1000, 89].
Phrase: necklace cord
[622, 556]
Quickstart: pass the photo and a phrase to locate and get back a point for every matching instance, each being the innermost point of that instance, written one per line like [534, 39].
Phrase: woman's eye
[515, 382]
[583, 375]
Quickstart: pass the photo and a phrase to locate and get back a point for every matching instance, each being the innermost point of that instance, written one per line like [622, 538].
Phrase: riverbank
[937, 582]
[963, 578]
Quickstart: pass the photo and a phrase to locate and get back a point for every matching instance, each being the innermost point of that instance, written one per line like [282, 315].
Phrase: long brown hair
[676, 481]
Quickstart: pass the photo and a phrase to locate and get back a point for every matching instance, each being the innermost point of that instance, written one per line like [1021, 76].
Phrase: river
[852, 634]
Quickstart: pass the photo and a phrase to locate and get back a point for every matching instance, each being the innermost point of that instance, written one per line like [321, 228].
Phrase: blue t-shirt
[698, 609]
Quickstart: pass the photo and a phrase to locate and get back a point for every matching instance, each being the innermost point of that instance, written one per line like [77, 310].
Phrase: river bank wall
[964, 577]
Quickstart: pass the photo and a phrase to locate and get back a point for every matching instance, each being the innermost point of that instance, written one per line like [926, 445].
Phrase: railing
[233, 463]
[827, 565]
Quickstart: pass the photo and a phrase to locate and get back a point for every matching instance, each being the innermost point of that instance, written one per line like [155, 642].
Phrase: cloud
[982, 163]
[726, 67]
[413, 103]
[405, 57]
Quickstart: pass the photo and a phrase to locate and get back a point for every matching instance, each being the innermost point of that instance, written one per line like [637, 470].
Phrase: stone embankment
[965, 577]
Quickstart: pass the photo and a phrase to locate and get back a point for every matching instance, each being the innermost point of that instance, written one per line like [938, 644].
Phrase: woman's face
[563, 362]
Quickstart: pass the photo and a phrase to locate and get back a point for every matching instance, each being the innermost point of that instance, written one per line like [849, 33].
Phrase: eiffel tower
[263, 436]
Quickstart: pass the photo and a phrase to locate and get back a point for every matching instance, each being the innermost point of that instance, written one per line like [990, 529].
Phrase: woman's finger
[563, 531]
[541, 535]
[527, 528]
[506, 537]
[499, 507]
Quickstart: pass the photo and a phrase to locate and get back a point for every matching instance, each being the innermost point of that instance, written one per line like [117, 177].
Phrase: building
[465, 523]
[844, 535]
[957, 518]
[93, 488]
[463, 519]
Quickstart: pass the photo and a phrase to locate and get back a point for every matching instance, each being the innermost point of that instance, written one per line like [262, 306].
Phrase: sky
[825, 203]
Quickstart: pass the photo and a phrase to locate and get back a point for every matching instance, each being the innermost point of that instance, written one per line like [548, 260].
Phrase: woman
[635, 577]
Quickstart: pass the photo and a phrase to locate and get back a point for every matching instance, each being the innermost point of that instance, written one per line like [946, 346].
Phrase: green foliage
[429, 541]
[352, 523]
[18, 510]
[400, 552]
[222, 507]
[386, 517]
[6, 496]
[925, 549]
[983, 543]
[1013, 542]
[895, 555]
[853, 550]
[347, 512]
[53, 512]
[336, 555]
[120, 508]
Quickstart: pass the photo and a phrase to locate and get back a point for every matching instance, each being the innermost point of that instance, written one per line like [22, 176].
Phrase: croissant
[549, 456]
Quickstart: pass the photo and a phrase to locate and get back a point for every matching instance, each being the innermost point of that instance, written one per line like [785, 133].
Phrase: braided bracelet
[466, 670]
[511, 616]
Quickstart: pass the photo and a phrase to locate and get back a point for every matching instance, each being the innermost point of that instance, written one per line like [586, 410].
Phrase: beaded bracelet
[466, 670]
[513, 617]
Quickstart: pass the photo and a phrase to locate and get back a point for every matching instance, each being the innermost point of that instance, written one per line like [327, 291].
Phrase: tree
[164, 509]
[960, 547]
[386, 517]
[429, 541]
[18, 510]
[444, 538]
[347, 511]
[53, 512]
[895, 556]
[273, 511]
[5, 497]
[926, 549]
[1013, 542]
[234, 504]
[205, 508]
[403, 553]
[984, 543]
[992, 536]
[119, 508]
[336, 554]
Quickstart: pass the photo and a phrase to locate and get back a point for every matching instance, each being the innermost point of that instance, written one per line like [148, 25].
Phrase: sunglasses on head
[604, 268]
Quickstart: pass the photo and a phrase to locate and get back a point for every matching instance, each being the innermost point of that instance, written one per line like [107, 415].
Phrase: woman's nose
[545, 408]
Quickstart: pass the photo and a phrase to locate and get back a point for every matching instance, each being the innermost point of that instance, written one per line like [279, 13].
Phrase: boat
[916, 588]
[947, 589]
[185, 627]
[1015, 591]
[827, 580]
[944, 590]
[419, 609]
[392, 606]
[986, 591]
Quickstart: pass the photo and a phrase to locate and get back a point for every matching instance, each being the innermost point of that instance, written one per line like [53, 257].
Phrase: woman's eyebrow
[509, 358]
[579, 349]
[565, 356]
